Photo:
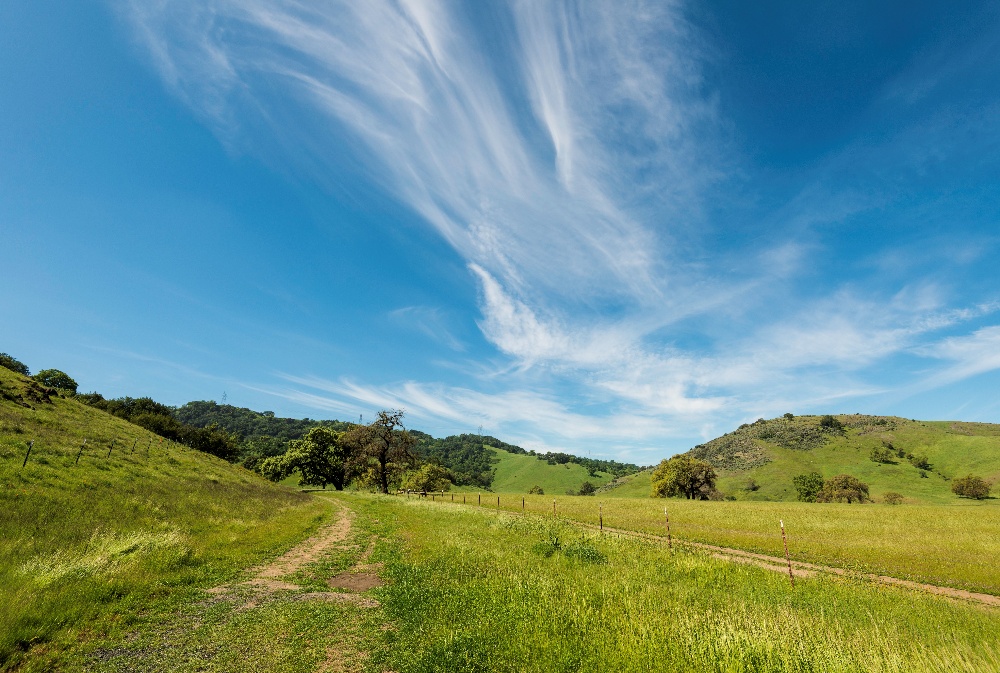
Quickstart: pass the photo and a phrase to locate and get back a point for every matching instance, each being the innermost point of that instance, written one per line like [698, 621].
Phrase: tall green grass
[477, 590]
[953, 545]
[88, 547]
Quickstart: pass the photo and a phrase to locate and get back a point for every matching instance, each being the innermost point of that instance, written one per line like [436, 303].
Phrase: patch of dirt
[354, 581]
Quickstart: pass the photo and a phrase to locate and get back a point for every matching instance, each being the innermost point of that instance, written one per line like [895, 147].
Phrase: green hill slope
[636, 485]
[91, 540]
[759, 460]
[517, 473]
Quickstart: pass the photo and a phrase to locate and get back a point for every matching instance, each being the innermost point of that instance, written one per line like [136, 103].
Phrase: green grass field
[475, 590]
[947, 545]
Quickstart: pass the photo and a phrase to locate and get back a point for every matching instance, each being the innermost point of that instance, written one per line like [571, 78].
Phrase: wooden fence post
[463, 498]
[670, 544]
[80, 452]
[784, 540]
[522, 504]
[600, 510]
[110, 449]
[480, 499]
[553, 508]
[28, 453]
[498, 502]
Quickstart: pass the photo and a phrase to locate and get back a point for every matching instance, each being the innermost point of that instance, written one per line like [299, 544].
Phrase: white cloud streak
[541, 166]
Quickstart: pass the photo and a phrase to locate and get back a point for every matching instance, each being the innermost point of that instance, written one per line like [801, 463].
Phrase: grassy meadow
[472, 589]
[517, 473]
[953, 545]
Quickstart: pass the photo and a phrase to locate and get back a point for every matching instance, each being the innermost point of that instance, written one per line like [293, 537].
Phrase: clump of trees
[843, 488]
[13, 364]
[812, 487]
[973, 487]
[684, 475]
[430, 477]
[54, 378]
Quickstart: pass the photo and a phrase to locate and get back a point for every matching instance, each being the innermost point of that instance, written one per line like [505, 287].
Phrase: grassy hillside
[516, 473]
[90, 545]
[770, 453]
[636, 485]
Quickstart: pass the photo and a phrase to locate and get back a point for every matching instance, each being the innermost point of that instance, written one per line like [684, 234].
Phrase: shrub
[893, 498]
[831, 423]
[920, 462]
[789, 416]
[536, 490]
[971, 487]
[881, 454]
[56, 379]
[751, 486]
[808, 486]
[13, 364]
[587, 488]
[843, 488]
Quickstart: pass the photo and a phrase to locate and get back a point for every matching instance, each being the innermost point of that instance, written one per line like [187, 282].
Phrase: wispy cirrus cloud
[570, 160]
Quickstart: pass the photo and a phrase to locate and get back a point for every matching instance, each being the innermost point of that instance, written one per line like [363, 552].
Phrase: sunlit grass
[472, 590]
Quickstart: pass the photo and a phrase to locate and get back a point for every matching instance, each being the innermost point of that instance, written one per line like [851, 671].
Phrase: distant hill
[918, 459]
[249, 423]
[476, 461]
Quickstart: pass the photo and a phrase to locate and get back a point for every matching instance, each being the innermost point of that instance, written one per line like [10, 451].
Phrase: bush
[920, 462]
[587, 488]
[971, 487]
[789, 416]
[831, 423]
[808, 486]
[751, 485]
[429, 478]
[536, 490]
[881, 454]
[843, 488]
[13, 364]
[893, 498]
[56, 379]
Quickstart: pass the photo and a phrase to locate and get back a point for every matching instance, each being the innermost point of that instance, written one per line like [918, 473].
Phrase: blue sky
[606, 228]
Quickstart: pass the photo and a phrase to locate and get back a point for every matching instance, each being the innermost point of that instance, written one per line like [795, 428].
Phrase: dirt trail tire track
[266, 579]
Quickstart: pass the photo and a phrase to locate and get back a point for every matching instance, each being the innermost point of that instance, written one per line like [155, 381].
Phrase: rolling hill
[919, 458]
[105, 520]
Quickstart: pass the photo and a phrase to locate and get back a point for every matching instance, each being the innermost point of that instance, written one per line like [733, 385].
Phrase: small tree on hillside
[683, 475]
[808, 486]
[56, 379]
[971, 487]
[831, 423]
[536, 490]
[843, 488]
[13, 364]
[587, 488]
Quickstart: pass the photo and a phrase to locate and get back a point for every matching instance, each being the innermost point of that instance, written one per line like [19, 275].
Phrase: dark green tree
[13, 364]
[808, 486]
[973, 487]
[320, 458]
[683, 475]
[587, 488]
[56, 379]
